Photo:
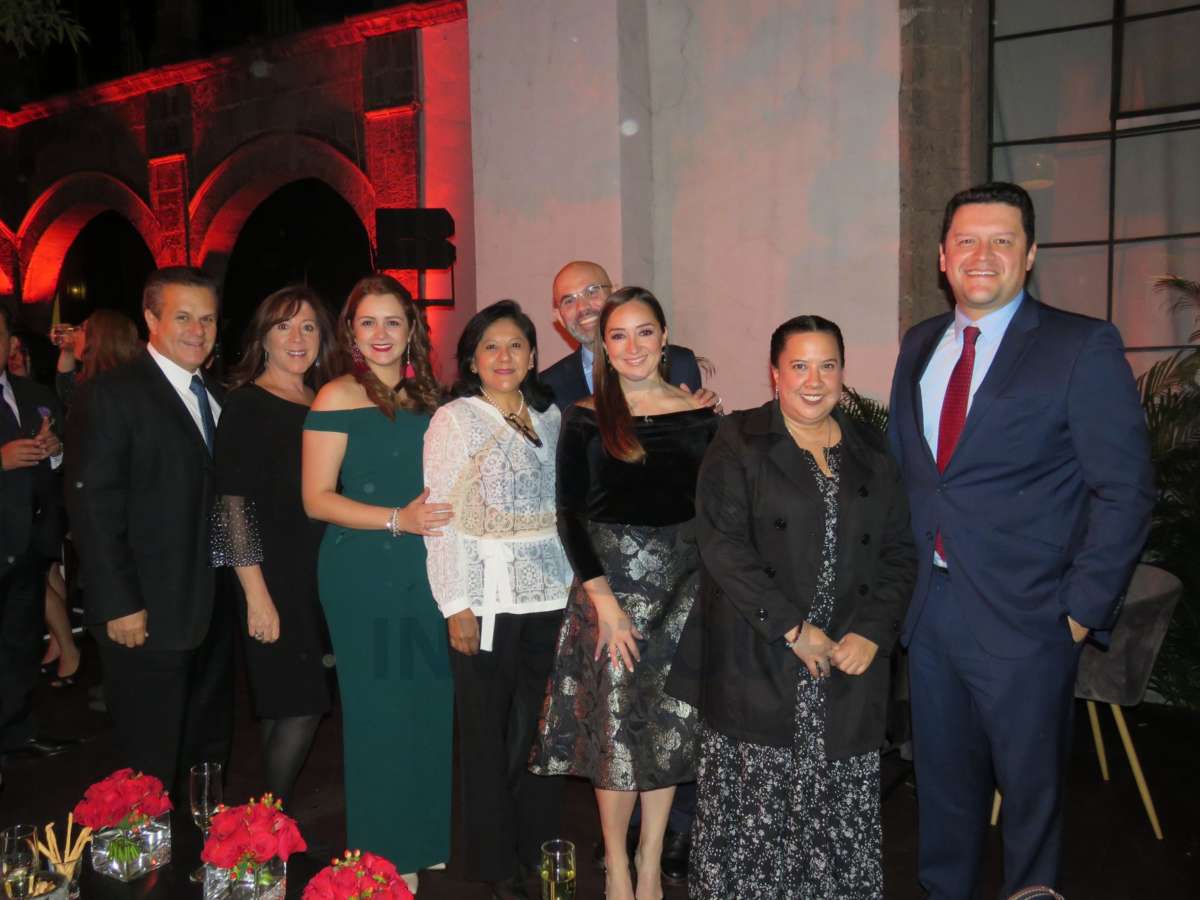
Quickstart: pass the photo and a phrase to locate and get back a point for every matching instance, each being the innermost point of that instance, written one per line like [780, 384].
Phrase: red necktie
[954, 407]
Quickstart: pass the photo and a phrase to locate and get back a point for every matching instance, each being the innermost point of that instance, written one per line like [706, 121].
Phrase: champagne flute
[558, 870]
[18, 861]
[204, 789]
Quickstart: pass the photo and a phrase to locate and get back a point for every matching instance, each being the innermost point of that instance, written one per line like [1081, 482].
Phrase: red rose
[320, 888]
[224, 854]
[155, 806]
[264, 846]
[377, 865]
[225, 824]
[290, 840]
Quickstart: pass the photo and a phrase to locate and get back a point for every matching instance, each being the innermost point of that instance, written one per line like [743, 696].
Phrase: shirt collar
[4, 380]
[991, 326]
[179, 377]
[586, 355]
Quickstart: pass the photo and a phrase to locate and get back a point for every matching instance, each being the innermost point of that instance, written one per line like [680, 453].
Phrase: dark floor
[1110, 849]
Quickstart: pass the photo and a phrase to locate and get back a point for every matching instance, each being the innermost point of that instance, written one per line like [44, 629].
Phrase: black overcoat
[760, 526]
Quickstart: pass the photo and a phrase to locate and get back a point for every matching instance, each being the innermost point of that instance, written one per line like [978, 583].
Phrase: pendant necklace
[514, 419]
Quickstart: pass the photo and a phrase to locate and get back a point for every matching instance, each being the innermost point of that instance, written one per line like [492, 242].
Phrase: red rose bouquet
[124, 800]
[358, 876]
[245, 838]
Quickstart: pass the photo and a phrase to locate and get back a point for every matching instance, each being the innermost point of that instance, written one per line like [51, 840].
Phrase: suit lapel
[924, 355]
[577, 373]
[1017, 341]
[168, 398]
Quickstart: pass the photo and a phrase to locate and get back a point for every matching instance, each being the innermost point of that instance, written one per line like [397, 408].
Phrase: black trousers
[172, 708]
[503, 812]
[22, 593]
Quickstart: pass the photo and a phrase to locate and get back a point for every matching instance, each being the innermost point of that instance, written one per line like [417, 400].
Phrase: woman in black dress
[627, 463]
[260, 528]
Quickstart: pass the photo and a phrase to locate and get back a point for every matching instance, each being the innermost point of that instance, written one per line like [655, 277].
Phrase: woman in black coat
[808, 568]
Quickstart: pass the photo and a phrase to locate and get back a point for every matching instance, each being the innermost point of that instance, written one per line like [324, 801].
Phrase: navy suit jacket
[565, 377]
[1045, 505]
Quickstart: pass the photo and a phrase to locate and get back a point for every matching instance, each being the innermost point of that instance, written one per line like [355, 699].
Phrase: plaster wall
[775, 179]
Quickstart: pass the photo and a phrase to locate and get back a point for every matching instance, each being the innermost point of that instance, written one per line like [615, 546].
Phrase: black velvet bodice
[594, 487]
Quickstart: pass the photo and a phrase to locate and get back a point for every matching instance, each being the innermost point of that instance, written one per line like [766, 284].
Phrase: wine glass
[558, 870]
[204, 789]
[18, 863]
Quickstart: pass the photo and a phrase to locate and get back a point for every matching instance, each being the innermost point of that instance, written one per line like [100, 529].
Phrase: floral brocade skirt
[617, 728]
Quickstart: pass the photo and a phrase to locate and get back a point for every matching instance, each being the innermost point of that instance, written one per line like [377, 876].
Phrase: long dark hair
[469, 384]
[422, 392]
[279, 307]
[110, 340]
[612, 411]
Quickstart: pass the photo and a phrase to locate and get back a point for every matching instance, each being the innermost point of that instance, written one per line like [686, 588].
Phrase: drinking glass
[204, 789]
[558, 870]
[18, 860]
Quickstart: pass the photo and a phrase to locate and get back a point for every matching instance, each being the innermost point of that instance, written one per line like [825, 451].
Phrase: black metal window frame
[1112, 135]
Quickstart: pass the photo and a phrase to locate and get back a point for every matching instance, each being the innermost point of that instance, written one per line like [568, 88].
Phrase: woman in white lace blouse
[500, 577]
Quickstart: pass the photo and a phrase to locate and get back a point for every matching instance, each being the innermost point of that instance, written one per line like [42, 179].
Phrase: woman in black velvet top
[627, 464]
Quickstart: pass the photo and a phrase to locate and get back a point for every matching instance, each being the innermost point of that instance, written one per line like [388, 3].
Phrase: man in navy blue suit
[1024, 451]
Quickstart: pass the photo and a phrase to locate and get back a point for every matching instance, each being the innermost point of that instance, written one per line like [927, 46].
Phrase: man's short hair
[184, 276]
[993, 192]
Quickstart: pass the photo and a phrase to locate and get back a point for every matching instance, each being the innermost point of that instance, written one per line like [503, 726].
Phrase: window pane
[1072, 278]
[1143, 314]
[1014, 16]
[1158, 184]
[1137, 7]
[1159, 62]
[1068, 183]
[1051, 85]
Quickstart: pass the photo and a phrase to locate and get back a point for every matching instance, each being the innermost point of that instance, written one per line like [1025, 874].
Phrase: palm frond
[864, 409]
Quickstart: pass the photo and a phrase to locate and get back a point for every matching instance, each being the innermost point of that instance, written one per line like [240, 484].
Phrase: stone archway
[60, 213]
[232, 191]
[8, 260]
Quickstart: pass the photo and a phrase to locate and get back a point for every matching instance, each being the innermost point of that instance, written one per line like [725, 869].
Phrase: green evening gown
[391, 647]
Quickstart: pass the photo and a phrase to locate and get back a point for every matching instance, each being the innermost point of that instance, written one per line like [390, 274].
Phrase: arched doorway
[105, 268]
[305, 232]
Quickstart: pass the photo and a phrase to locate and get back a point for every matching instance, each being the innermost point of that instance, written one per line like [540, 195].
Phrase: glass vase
[266, 881]
[127, 854]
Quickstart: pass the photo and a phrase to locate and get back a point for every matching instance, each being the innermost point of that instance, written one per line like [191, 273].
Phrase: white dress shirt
[181, 380]
[585, 357]
[945, 356]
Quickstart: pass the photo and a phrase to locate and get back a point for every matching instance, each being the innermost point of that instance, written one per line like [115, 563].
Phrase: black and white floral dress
[785, 823]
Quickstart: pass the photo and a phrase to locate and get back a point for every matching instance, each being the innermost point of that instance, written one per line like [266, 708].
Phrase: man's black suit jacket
[565, 377]
[140, 487]
[30, 498]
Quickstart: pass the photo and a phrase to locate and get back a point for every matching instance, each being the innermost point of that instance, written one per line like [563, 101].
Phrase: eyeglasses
[591, 292]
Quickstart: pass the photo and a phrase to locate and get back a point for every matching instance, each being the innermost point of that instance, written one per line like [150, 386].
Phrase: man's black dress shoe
[40, 747]
[512, 889]
[676, 847]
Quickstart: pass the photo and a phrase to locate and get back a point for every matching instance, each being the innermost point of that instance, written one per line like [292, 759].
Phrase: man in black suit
[580, 289]
[30, 519]
[140, 490]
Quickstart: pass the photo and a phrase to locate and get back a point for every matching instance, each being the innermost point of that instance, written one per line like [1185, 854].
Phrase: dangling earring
[356, 355]
[266, 355]
[664, 356]
[777, 390]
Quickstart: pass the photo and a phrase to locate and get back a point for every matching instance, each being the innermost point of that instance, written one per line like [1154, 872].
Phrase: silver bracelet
[393, 525]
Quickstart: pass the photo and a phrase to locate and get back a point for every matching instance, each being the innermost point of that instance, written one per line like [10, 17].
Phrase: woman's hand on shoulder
[853, 654]
[703, 398]
[341, 393]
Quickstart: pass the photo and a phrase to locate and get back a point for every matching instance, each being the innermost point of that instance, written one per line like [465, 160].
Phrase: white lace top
[500, 552]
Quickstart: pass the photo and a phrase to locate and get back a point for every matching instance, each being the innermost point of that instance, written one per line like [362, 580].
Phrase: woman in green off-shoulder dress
[365, 434]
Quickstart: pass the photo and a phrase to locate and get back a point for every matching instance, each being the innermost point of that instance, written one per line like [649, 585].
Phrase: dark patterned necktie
[206, 416]
[954, 407]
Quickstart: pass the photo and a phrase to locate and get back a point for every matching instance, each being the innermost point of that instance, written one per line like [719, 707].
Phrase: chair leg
[1098, 738]
[1137, 770]
[996, 808]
